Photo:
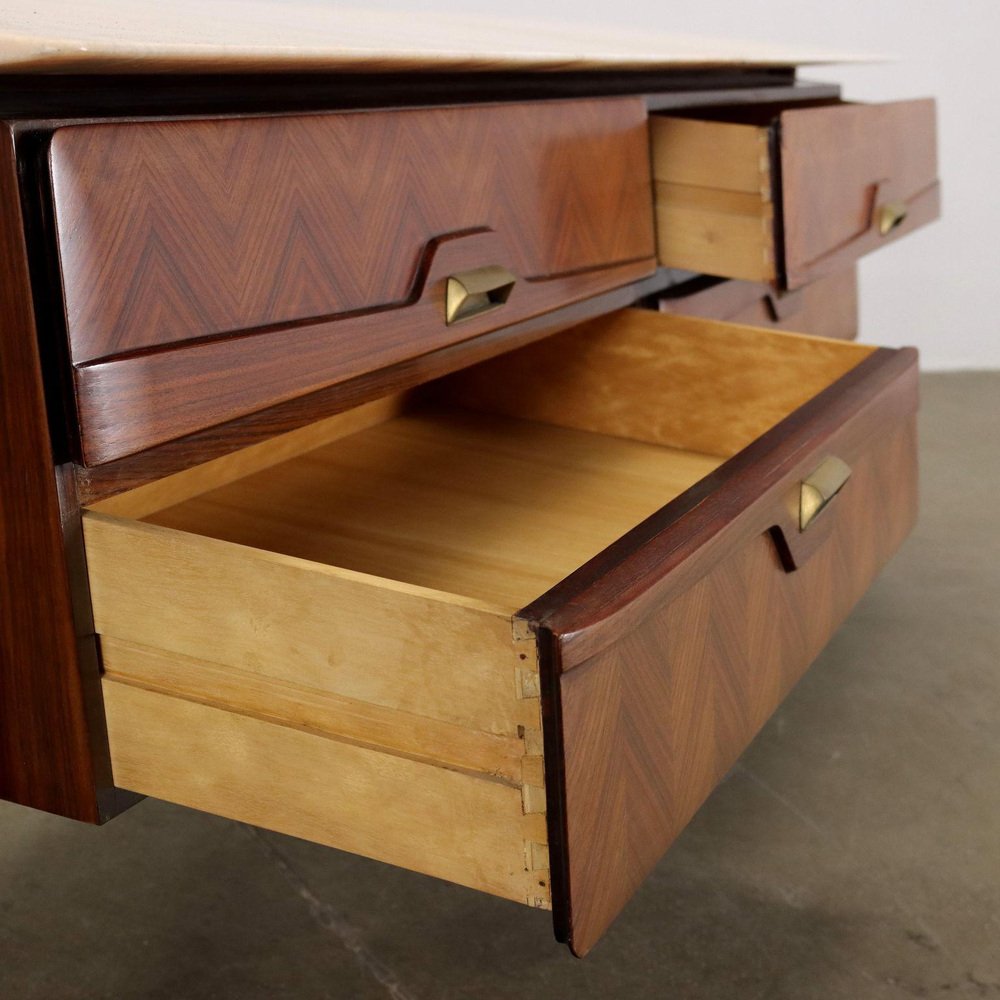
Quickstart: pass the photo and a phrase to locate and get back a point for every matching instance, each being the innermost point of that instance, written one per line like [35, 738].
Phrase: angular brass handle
[820, 488]
[890, 215]
[471, 293]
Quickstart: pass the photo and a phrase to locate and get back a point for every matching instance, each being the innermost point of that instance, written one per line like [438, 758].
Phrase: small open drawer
[786, 194]
[512, 630]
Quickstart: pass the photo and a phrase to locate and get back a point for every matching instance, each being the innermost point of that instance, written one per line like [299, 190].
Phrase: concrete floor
[853, 853]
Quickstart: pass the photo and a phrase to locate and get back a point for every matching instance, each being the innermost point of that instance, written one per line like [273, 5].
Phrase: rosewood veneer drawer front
[787, 195]
[826, 307]
[509, 630]
[215, 267]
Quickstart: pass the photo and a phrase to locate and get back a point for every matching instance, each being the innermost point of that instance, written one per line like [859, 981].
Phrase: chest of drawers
[388, 469]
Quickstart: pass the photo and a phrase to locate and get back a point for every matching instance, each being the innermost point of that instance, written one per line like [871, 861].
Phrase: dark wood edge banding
[745, 491]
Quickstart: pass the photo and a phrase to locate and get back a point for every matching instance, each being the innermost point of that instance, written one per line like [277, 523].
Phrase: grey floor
[853, 853]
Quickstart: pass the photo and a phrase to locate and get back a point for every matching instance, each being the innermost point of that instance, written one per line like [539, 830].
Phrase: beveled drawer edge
[629, 576]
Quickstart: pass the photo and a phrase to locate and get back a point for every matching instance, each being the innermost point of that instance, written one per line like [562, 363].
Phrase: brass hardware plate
[472, 293]
[819, 488]
[890, 215]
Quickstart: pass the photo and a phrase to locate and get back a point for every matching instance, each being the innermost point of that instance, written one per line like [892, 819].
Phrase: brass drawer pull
[472, 293]
[890, 215]
[820, 488]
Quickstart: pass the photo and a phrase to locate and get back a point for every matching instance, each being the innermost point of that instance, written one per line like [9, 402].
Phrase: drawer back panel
[171, 231]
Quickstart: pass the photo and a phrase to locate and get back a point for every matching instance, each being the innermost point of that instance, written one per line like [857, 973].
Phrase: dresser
[442, 452]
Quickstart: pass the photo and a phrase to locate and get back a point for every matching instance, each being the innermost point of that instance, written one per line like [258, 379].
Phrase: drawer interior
[498, 482]
[319, 634]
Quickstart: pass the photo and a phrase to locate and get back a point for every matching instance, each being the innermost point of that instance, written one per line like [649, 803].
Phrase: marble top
[137, 36]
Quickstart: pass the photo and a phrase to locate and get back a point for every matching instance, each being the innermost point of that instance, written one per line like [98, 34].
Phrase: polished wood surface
[667, 652]
[178, 230]
[141, 400]
[826, 307]
[838, 164]
[50, 725]
[207, 274]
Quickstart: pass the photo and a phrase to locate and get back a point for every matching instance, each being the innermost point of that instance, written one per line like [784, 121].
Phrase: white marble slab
[119, 36]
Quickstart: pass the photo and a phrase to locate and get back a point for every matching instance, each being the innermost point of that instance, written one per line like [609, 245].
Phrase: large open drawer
[512, 630]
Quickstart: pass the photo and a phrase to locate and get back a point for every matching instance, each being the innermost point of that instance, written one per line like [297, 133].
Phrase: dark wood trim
[130, 95]
[51, 755]
[582, 610]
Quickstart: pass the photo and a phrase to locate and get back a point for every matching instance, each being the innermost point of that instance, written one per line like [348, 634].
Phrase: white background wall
[937, 289]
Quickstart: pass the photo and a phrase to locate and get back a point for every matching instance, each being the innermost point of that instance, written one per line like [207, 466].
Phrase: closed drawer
[826, 307]
[509, 631]
[212, 268]
[786, 195]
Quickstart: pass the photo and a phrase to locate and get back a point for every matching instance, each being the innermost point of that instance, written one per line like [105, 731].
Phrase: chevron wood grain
[174, 230]
[664, 655]
[827, 307]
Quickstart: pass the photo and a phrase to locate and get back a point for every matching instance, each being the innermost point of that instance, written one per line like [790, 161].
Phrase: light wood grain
[331, 629]
[243, 35]
[710, 154]
[170, 490]
[674, 381]
[485, 507]
[427, 818]
[712, 186]
[288, 703]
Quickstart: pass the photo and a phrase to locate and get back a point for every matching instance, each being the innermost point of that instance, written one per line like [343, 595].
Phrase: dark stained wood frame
[53, 747]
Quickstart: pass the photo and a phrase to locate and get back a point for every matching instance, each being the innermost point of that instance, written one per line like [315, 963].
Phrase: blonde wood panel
[707, 154]
[724, 233]
[712, 185]
[233, 35]
[495, 509]
[289, 704]
[676, 381]
[455, 826]
[170, 490]
[380, 641]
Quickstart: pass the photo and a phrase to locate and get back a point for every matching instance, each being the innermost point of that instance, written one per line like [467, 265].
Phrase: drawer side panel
[445, 823]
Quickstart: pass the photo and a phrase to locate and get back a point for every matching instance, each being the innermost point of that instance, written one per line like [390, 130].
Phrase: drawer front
[669, 651]
[787, 196]
[827, 307]
[266, 258]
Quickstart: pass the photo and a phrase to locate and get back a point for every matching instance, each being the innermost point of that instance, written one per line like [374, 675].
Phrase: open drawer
[786, 194]
[512, 630]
